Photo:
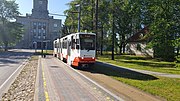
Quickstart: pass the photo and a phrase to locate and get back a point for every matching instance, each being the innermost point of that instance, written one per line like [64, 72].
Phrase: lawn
[166, 88]
[47, 52]
[143, 63]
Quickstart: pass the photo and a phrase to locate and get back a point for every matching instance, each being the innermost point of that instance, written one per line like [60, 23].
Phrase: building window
[44, 27]
[34, 27]
[55, 25]
[44, 34]
[39, 31]
[40, 2]
[34, 35]
[44, 31]
[34, 23]
[39, 23]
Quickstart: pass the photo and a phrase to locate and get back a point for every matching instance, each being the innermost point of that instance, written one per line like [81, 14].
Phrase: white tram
[77, 49]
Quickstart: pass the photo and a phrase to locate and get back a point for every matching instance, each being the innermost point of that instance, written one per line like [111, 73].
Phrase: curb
[36, 93]
[13, 77]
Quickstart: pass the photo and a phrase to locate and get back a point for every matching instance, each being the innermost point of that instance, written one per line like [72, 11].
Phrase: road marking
[44, 82]
[24, 63]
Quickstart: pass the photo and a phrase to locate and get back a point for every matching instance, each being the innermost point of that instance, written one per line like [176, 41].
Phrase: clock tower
[40, 9]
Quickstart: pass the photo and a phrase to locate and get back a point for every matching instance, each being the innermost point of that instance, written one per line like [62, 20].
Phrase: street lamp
[113, 34]
[96, 24]
[79, 16]
[35, 46]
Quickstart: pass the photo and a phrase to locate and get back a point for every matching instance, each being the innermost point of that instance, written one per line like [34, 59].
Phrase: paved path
[139, 71]
[11, 63]
[62, 83]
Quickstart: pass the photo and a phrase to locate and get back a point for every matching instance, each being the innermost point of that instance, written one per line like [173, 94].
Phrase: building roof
[139, 36]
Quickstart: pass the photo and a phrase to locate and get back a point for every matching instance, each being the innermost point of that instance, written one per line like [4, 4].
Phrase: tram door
[69, 48]
[69, 52]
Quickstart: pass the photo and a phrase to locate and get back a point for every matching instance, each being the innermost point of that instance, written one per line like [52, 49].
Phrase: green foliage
[15, 32]
[160, 16]
[164, 27]
[11, 32]
[166, 88]
[8, 10]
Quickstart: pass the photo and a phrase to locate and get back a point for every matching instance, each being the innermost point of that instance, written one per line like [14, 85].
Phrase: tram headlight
[82, 57]
[93, 58]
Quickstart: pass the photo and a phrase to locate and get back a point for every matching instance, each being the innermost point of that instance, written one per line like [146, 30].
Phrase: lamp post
[35, 46]
[79, 18]
[96, 24]
[113, 34]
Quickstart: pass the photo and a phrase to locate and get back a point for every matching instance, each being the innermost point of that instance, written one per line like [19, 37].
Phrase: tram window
[77, 41]
[59, 44]
[70, 43]
[87, 42]
[77, 46]
[55, 45]
[73, 44]
[65, 44]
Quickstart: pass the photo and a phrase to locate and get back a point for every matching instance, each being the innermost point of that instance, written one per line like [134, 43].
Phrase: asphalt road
[11, 63]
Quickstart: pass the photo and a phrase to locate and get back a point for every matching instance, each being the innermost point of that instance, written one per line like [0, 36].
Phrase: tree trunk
[6, 46]
[120, 49]
[102, 41]
[178, 51]
[123, 43]
[124, 47]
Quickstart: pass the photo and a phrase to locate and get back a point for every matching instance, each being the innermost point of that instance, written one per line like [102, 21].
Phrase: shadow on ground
[114, 71]
[11, 57]
[143, 63]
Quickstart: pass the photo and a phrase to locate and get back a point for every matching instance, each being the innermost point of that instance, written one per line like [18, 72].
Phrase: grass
[166, 88]
[143, 63]
[34, 57]
[47, 52]
[1, 50]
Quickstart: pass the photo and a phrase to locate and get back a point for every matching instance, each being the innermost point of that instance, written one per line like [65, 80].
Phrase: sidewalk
[140, 71]
[59, 82]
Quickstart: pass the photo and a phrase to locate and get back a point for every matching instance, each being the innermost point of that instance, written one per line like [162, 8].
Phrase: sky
[54, 6]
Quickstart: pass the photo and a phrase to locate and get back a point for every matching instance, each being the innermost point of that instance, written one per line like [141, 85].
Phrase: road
[11, 63]
[59, 82]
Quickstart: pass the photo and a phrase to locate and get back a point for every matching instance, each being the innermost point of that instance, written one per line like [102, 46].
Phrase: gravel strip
[23, 87]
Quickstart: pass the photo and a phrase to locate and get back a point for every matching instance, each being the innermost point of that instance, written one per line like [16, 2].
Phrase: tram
[77, 49]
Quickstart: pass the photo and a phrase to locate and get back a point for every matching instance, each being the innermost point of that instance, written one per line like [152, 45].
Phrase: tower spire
[40, 9]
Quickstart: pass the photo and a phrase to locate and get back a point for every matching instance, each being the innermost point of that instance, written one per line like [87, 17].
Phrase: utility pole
[96, 24]
[92, 14]
[102, 32]
[113, 34]
[79, 18]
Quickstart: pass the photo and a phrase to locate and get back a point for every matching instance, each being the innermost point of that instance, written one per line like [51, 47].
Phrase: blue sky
[54, 6]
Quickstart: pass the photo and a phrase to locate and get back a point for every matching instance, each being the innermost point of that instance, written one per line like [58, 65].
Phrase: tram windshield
[87, 42]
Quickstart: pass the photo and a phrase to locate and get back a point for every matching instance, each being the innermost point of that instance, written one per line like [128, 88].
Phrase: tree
[10, 32]
[71, 21]
[162, 17]
[164, 27]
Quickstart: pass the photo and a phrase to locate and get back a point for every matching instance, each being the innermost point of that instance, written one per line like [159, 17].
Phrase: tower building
[40, 28]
